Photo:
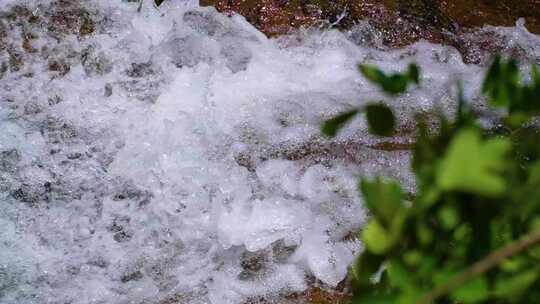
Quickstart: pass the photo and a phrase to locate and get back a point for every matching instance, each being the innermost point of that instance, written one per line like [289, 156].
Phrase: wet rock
[317, 295]
[58, 131]
[282, 252]
[139, 70]
[75, 155]
[95, 63]
[253, 264]
[119, 229]
[3, 35]
[145, 90]
[174, 299]
[108, 90]
[478, 13]
[29, 194]
[3, 69]
[477, 47]
[32, 108]
[119, 223]
[237, 55]
[399, 21]
[128, 190]
[5, 182]
[15, 60]
[122, 236]
[144, 81]
[69, 17]
[27, 46]
[99, 261]
[87, 26]
[73, 269]
[203, 22]
[245, 159]
[188, 51]
[102, 157]
[132, 276]
[54, 100]
[62, 190]
[8, 278]
[365, 35]
[60, 66]
[16, 14]
[9, 160]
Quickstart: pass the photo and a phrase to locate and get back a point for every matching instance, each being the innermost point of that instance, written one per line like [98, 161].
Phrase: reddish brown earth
[314, 295]
[401, 21]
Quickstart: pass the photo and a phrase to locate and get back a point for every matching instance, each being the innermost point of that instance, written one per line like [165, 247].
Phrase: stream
[173, 154]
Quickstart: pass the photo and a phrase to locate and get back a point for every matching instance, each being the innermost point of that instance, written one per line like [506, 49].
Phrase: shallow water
[173, 155]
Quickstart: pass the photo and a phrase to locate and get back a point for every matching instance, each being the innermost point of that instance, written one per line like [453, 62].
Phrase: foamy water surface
[174, 155]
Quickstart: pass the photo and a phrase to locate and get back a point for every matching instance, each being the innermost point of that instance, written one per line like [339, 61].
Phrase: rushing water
[174, 155]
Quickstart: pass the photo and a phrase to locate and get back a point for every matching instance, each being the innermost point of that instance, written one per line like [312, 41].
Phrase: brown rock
[400, 21]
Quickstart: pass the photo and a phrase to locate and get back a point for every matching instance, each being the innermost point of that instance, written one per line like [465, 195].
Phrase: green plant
[471, 233]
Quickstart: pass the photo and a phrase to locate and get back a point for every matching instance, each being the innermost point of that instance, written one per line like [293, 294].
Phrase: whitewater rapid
[173, 155]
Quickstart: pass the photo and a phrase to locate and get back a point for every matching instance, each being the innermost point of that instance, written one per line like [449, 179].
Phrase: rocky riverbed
[417, 19]
[173, 155]
[396, 23]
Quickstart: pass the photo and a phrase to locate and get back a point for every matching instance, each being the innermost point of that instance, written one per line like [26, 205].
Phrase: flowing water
[174, 155]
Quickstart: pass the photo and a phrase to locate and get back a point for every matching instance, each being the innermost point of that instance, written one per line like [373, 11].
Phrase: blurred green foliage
[471, 234]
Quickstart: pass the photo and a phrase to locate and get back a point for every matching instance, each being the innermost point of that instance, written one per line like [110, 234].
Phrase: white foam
[179, 142]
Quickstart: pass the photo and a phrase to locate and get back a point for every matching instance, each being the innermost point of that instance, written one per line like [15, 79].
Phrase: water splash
[174, 155]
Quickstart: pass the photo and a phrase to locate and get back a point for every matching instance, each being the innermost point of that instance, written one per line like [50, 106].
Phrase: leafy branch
[477, 204]
[480, 267]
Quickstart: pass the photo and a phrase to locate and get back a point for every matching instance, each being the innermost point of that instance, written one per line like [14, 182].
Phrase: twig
[492, 260]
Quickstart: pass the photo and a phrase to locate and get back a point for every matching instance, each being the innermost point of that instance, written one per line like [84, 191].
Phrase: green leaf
[513, 264]
[424, 234]
[512, 286]
[474, 166]
[380, 119]
[399, 276]
[158, 2]
[333, 125]
[517, 118]
[383, 198]
[475, 290]
[535, 224]
[374, 298]
[442, 275]
[464, 116]
[427, 266]
[395, 84]
[535, 75]
[462, 233]
[365, 266]
[448, 217]
[413, 258]
[379, 239]
[391, 84]
[414, 73]
[376, 238]
[372, 73]
[534, 174]
[534, 252]
[502, 83]
[410, 296]
[428, 197]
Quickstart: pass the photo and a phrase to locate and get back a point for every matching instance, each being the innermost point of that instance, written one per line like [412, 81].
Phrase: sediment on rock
[398, 22]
